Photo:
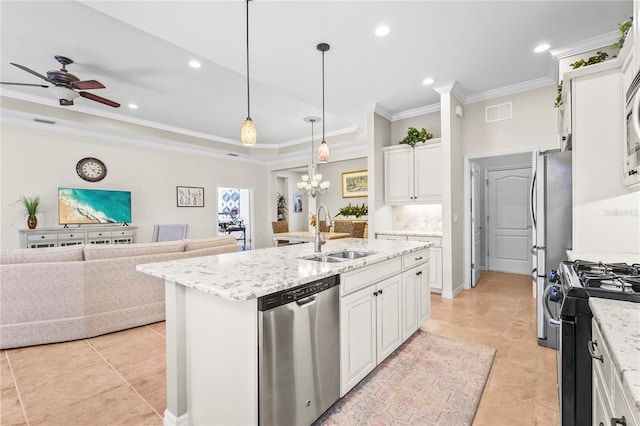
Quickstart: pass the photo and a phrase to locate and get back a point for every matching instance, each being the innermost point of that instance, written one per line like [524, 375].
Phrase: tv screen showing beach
[77, 206]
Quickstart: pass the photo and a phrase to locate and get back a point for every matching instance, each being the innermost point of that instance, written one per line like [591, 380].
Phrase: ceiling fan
[64, 84]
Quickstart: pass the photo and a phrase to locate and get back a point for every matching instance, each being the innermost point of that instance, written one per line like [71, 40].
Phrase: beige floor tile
[159, 327]
[141, 361]
[11, 412]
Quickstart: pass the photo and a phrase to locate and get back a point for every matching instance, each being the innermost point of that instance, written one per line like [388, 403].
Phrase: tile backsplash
[425, 217]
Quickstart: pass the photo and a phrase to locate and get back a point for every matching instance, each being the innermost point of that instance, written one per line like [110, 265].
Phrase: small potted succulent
[30, 207]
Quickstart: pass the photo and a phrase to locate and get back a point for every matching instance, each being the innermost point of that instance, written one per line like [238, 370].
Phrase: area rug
[429, 380]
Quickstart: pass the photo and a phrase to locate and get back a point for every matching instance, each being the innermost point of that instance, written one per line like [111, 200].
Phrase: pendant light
[312, 184]
[248, 132]
[323, 150]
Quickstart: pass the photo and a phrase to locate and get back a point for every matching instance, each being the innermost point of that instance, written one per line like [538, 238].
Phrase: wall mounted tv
[78, 206]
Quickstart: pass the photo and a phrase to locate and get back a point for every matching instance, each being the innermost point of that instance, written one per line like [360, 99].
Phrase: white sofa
[67, 293]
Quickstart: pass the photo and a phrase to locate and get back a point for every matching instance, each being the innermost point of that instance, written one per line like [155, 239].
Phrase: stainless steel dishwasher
[299, 353]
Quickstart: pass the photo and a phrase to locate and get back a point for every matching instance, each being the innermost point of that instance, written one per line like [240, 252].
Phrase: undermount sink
[350, 254]
[340, 256]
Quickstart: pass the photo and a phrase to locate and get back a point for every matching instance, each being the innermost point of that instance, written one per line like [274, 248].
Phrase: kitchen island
[212, 318]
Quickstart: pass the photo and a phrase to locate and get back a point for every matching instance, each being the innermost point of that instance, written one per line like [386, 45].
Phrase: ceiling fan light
[61, 92]
[323, 152]
[248, 133]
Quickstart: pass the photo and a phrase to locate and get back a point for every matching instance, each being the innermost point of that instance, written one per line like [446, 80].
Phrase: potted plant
[281, 203]
[357, 211]
[30, 207]
[414, 136]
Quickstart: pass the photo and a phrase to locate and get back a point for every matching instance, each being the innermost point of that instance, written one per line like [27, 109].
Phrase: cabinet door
[398, 175]
[410, 280]
[424, 293]
[357, 337]
[389, 316]
[428, 173]
[435, 270]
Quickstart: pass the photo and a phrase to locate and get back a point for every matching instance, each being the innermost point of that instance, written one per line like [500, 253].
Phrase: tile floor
[119, 378]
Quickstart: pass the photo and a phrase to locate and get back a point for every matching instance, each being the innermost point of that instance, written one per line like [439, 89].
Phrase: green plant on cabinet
[357, 211]
[414, 136]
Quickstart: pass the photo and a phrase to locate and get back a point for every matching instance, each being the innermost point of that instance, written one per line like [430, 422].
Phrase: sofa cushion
[41, 255]
[223, 240]
[94, 252]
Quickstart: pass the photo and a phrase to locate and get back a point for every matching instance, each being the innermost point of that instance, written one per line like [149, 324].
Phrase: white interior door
[508, 219]
[476, 224]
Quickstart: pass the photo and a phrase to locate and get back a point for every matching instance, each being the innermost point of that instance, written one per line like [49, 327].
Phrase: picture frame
[189, 196]
[297, 202]
[355, 184]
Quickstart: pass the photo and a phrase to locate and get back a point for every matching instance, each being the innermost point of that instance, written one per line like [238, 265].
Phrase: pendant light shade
[248, 133]
[312, 183]
[323, 150]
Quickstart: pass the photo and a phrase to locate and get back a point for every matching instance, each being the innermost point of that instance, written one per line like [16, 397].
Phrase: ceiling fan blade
[88, 84]
[30, 71]
[99, 99]
[23, 84]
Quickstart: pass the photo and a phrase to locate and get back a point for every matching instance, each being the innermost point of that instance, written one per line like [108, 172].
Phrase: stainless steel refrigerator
[551, 216]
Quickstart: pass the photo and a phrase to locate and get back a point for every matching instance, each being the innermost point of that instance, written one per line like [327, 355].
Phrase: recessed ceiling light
[427, 81]
[195, 64]
[133, 106]
[541, 48]
[382, 31]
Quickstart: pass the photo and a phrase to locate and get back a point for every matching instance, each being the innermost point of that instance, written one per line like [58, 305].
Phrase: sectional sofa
[66, 293]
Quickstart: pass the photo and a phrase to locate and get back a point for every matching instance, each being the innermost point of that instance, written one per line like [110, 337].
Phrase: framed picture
[190, 196]
[355, 184]
[297, 203]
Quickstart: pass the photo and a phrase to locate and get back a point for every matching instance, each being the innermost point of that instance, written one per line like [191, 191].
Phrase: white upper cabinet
[413, 175]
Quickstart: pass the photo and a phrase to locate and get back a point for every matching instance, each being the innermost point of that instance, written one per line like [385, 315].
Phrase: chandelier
[312, 184]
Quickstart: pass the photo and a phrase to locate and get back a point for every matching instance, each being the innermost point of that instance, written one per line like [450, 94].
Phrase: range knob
[554, 296]
[553, 276]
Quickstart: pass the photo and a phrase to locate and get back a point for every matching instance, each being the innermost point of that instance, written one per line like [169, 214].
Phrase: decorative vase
[32, 221]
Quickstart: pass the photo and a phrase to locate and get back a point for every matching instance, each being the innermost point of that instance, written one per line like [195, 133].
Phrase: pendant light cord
[312, 121]
[322, 97]
[248, 102]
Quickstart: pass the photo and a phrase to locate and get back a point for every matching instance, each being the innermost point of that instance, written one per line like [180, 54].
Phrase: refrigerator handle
[532, 191]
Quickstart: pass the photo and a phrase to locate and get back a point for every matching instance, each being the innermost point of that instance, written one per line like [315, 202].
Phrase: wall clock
[91, 169]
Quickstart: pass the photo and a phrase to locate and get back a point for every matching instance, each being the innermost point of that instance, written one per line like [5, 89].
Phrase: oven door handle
[634, 111]
[546, 310]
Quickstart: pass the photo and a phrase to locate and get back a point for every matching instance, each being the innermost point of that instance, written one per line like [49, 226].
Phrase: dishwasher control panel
[283, 297]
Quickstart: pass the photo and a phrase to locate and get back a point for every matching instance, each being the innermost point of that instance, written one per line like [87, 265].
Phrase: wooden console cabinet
[61, 237]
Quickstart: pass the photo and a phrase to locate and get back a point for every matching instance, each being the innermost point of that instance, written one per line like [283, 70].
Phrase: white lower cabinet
[435, 260]
[610, 404]
[369, 329]
[416, 299]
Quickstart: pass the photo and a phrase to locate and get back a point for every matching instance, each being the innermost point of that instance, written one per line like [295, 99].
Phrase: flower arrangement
[312, 220]
[356, 211]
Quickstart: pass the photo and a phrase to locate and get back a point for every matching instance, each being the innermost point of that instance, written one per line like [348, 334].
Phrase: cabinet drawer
[622, 408]
[416, 258]
[99, 234]
[123, 233]
[71, 235]
[360, 278]
[436, 241]
[42, 237]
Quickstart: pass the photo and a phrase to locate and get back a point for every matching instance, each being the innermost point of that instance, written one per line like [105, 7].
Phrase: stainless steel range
[576, 282]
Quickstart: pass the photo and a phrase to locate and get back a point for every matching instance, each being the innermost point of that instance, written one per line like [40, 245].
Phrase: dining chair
[322, 226]
[169, 232]
[342, 226]
[279, 227]
[357, 229]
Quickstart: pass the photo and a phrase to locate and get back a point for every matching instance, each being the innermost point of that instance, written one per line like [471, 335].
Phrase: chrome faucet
[317, 242]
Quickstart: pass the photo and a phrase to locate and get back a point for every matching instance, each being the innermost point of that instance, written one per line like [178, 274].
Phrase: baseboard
[454, 293]
[171, 420]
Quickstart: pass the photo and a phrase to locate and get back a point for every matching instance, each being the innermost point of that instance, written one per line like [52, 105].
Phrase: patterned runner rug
[429, 380]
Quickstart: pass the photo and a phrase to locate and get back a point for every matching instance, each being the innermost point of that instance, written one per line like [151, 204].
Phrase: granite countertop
[412, 233]
[606, 257]
[249, 274]
[619, 322]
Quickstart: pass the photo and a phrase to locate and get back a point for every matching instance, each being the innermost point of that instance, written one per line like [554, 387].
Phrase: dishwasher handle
[303, 303]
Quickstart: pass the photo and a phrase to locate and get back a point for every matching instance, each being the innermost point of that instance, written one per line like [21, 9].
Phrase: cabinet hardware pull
[380, 291]
[592, 351]
[375, 293]
[621, 421]
[600, 424]
[419, 258]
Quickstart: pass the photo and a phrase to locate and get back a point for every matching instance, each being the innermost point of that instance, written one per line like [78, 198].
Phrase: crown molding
[416, 112]
[585, 45]
[509, 90]
[380, 110]
[454, 88]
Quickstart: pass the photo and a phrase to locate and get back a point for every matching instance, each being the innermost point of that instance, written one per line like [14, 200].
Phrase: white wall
[378, 133]
[534, 124]
[430, 122]
[332, 172]
[39, 160]
[297, 221]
